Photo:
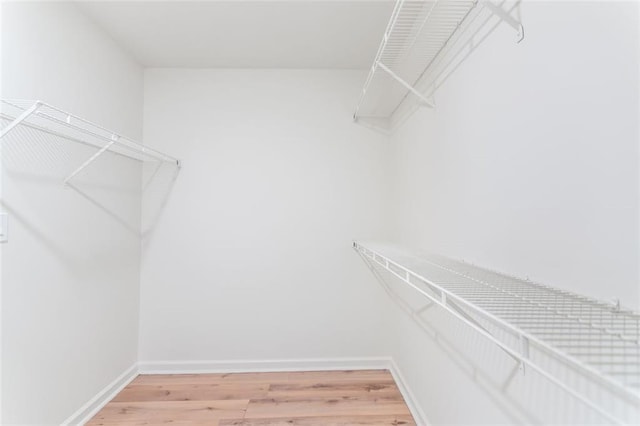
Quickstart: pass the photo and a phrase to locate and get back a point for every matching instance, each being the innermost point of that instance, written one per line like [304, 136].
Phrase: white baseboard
[249, 366]
[88, 410]
[412, 402]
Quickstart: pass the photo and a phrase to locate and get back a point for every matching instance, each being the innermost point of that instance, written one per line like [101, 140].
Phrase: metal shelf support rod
[506, 17]
[20, 118]
[91, 159]
[409, 87]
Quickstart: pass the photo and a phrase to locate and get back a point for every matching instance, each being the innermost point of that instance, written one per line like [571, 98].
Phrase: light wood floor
[314, 398]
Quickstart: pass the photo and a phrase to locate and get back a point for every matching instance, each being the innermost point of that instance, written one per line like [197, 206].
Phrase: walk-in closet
[320, 212]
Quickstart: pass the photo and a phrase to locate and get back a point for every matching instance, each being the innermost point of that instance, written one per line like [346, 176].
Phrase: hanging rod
[418, 32]
[39, 115]
[599, 340]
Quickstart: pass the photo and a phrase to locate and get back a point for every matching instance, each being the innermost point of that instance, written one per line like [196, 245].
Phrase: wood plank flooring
[313, 398]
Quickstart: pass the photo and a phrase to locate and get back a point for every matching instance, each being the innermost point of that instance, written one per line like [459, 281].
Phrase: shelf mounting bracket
[524, 347]
[505, 16]
[114, 139]
[409, 87]
[20, 118]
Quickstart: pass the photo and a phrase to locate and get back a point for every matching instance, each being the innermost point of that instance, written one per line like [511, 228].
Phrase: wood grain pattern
[313, 407]
[313, 398]
[324, 421]
[377, 388]
[156, 412]
[192, 392]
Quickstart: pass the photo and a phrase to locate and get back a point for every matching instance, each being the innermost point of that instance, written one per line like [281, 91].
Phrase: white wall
[70, 277]
[250, 257]
[528, 165]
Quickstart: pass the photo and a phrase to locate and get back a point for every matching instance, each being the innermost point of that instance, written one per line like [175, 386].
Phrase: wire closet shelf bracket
[418, 35]
[40, 116]
[541, 327]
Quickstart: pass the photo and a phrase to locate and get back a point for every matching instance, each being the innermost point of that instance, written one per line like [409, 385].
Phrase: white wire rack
[41, 117]
[418, 33]
[531, 322]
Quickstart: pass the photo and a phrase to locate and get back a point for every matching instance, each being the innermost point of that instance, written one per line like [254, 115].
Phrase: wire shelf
[418, 34]
[41, 117]
[599, 340]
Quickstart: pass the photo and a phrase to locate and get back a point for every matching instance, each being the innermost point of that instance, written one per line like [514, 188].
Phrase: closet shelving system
[42, 117]
[548, 330]
[416, 39]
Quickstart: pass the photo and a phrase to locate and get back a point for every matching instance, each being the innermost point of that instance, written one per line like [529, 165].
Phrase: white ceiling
[246, 34]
